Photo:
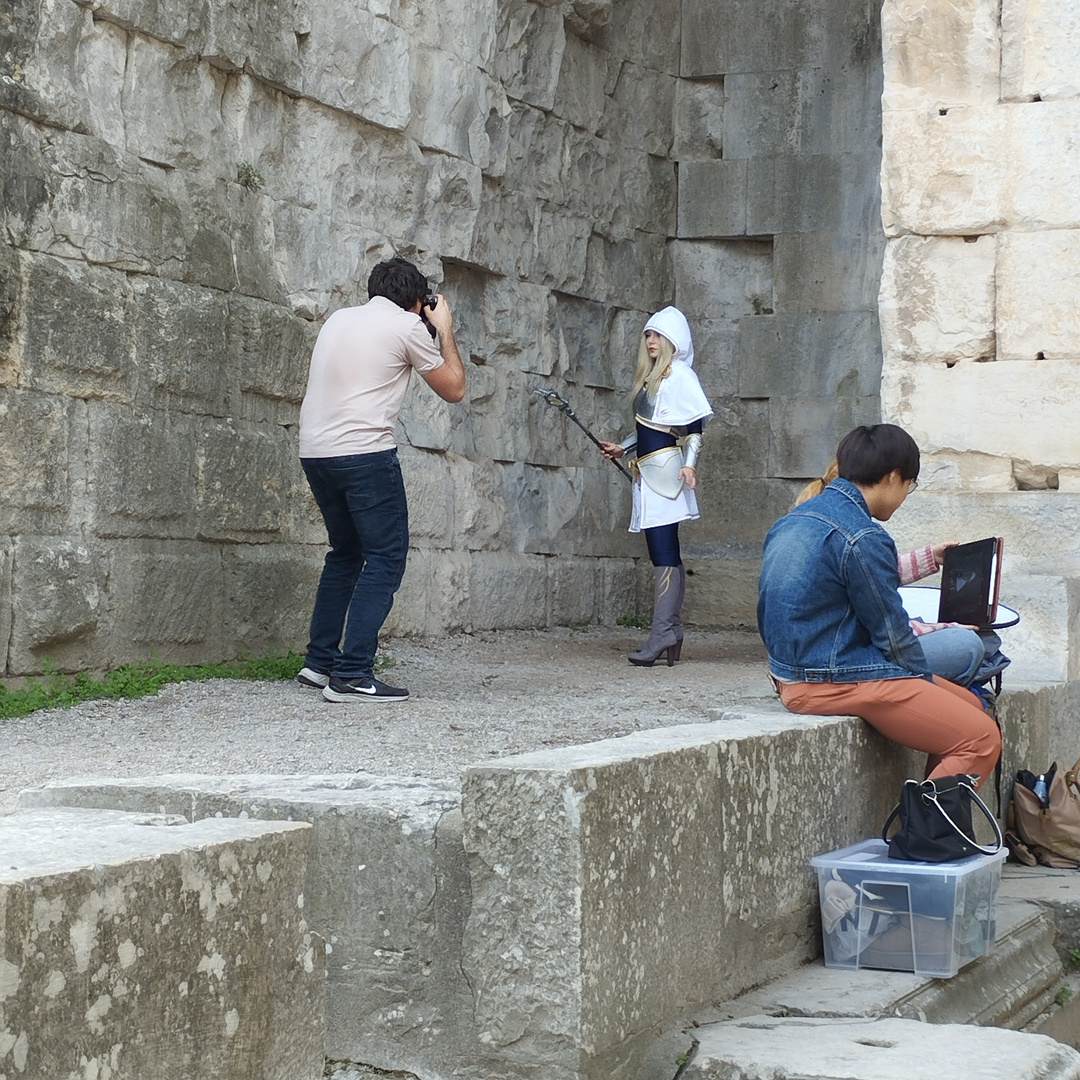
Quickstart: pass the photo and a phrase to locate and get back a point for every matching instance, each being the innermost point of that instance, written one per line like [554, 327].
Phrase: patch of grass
[1063, 995]
[580, 627]
[247, 175]
[1075, 954]
[639, 622]
[55, 690]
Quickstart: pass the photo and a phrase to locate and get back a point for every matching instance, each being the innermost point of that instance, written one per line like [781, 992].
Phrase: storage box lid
[875, 854]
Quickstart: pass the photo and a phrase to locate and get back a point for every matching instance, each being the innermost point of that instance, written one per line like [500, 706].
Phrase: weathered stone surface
[724, 279]
[712, 199]
[952, 174]
[928, 407]
[938, 299]
[610, 895]
[1036, 317]
[1040, 50]
[814, 1048]
[939, 56]
[59, 603]
[805, 431]
[699, 120]
[133, 940]
[826, 271]
[38, 433]
[529, 51]
[385, 887]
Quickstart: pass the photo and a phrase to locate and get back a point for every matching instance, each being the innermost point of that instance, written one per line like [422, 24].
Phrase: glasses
[912, 485]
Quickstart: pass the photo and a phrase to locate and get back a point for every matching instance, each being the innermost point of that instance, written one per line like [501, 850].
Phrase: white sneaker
[310, 677]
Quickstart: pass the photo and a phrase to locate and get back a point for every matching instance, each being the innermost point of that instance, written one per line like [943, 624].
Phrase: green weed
[639, 622]
[1063, 995]
[55, 690]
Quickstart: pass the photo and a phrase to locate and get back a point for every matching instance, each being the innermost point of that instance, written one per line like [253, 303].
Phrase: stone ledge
[126, 943]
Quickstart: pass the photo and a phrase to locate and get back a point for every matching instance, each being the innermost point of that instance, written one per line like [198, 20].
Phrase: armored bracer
[692, 450]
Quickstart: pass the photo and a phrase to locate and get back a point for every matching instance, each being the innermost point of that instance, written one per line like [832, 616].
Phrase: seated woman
[838, 638]
[955, 652]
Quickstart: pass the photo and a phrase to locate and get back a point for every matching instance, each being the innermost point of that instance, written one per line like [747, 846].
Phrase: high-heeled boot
[665, 614]
[677, 621]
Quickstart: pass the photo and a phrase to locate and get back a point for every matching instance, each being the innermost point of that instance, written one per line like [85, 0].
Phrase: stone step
[854, 1015]
[850, 1048]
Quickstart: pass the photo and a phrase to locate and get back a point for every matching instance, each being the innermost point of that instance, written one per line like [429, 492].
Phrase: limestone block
[940, 55]
[435, 593]
[561, 250]
[580, 325]
[262, 37]
[11, 275]
[640, 28]
[243, 473]
[431, 495]
[1044, 645]
[587, 76]
[805, 431]
[269, 349]
[171, 112]
[537, 150]
[826, 271]
[507, 589]
[59, 606]
[798, 193]
[426, 419]
[449, 207]
[723, 279]
[954, 173]
[1040, 50]
[503, 240]
[79, 326]
[741, 36]
[142, 469]
[946, 470]
[179, 24]
[1069, 480]
[715, 343]
[103, 206]
[618, 590]
[529, 50]
[699, 120]
[180, 348]
[712, 199]
[39, 440]
[481, 516]
[457, 108]
[721, 592]
[632, 273]
[1032, 523]
[169, 599]
[7, 558]
[927, 403]
[1037, 315]
[640, 109]
[938, 298]
[573, 592]
[775, 354]
[130, 943]
[624, 337]
[28, 184]
[469, 30]
[612, 900]
[384, 887]
[778, 1048]
[358, 63]
[644, 187]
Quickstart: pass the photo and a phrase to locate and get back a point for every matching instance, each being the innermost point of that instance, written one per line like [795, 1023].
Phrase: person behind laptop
[837, 635]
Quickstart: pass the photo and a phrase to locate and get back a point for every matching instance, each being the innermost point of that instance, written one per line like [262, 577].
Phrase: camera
[431, 301]
[428, 303]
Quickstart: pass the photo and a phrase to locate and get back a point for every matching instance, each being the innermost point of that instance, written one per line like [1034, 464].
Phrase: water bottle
[1041, 791]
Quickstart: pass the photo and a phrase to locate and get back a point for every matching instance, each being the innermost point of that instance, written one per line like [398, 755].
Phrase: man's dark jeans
[362, 499]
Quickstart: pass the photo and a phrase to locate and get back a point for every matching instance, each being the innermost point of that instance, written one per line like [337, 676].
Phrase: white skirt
[651, 509]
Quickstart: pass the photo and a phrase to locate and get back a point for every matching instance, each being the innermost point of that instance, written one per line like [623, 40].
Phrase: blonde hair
[650, 373]
[816, 487]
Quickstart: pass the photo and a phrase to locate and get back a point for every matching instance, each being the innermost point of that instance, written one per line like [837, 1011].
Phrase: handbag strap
[982, 806]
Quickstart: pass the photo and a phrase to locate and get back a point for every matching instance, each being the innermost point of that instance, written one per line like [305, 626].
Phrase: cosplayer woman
[838, 638]
[670, 409]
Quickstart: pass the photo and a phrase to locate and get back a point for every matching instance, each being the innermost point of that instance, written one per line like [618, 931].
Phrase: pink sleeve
[917, 564]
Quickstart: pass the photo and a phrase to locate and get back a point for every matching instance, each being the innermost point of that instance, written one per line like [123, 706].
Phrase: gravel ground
[474, 697]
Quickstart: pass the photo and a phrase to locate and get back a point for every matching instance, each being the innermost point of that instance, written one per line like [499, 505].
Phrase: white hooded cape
[679, 402]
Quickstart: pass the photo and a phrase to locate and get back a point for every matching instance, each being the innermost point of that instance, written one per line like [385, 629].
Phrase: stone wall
[190, 189]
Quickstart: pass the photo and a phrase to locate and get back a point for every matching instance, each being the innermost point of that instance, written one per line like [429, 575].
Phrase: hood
[672, 324]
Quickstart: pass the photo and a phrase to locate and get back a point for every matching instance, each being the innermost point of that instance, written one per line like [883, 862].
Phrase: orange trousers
[939, 718]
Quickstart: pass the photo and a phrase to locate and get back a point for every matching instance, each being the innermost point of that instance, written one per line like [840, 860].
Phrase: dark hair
[398, 280]
[869, 453]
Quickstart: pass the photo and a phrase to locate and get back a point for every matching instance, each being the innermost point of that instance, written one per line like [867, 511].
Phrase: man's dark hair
[869, 453]
[398, 280]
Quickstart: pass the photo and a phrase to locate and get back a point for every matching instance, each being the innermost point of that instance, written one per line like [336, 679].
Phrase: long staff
[560, 403]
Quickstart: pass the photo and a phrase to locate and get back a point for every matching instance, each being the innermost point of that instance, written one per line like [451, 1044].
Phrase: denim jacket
[828, 609]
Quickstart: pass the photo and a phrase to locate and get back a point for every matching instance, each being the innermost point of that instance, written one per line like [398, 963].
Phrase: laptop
[970, 582]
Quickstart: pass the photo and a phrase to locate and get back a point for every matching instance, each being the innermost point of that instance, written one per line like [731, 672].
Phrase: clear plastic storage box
[929, 918]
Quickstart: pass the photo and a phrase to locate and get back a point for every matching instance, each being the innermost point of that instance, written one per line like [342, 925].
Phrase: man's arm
[448, 379]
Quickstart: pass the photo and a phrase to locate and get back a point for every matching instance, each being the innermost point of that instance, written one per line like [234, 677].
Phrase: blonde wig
[650, 373]
[816, 487]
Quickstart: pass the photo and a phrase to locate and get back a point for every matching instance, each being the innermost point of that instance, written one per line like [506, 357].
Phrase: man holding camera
[360, 369]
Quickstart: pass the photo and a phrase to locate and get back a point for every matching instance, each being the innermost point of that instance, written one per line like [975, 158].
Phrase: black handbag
[935, 821]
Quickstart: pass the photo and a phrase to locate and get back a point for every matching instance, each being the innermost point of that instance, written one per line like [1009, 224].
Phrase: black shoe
[363, 690]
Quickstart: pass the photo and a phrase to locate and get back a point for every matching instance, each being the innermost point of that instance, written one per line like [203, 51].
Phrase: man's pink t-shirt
[359, 373]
